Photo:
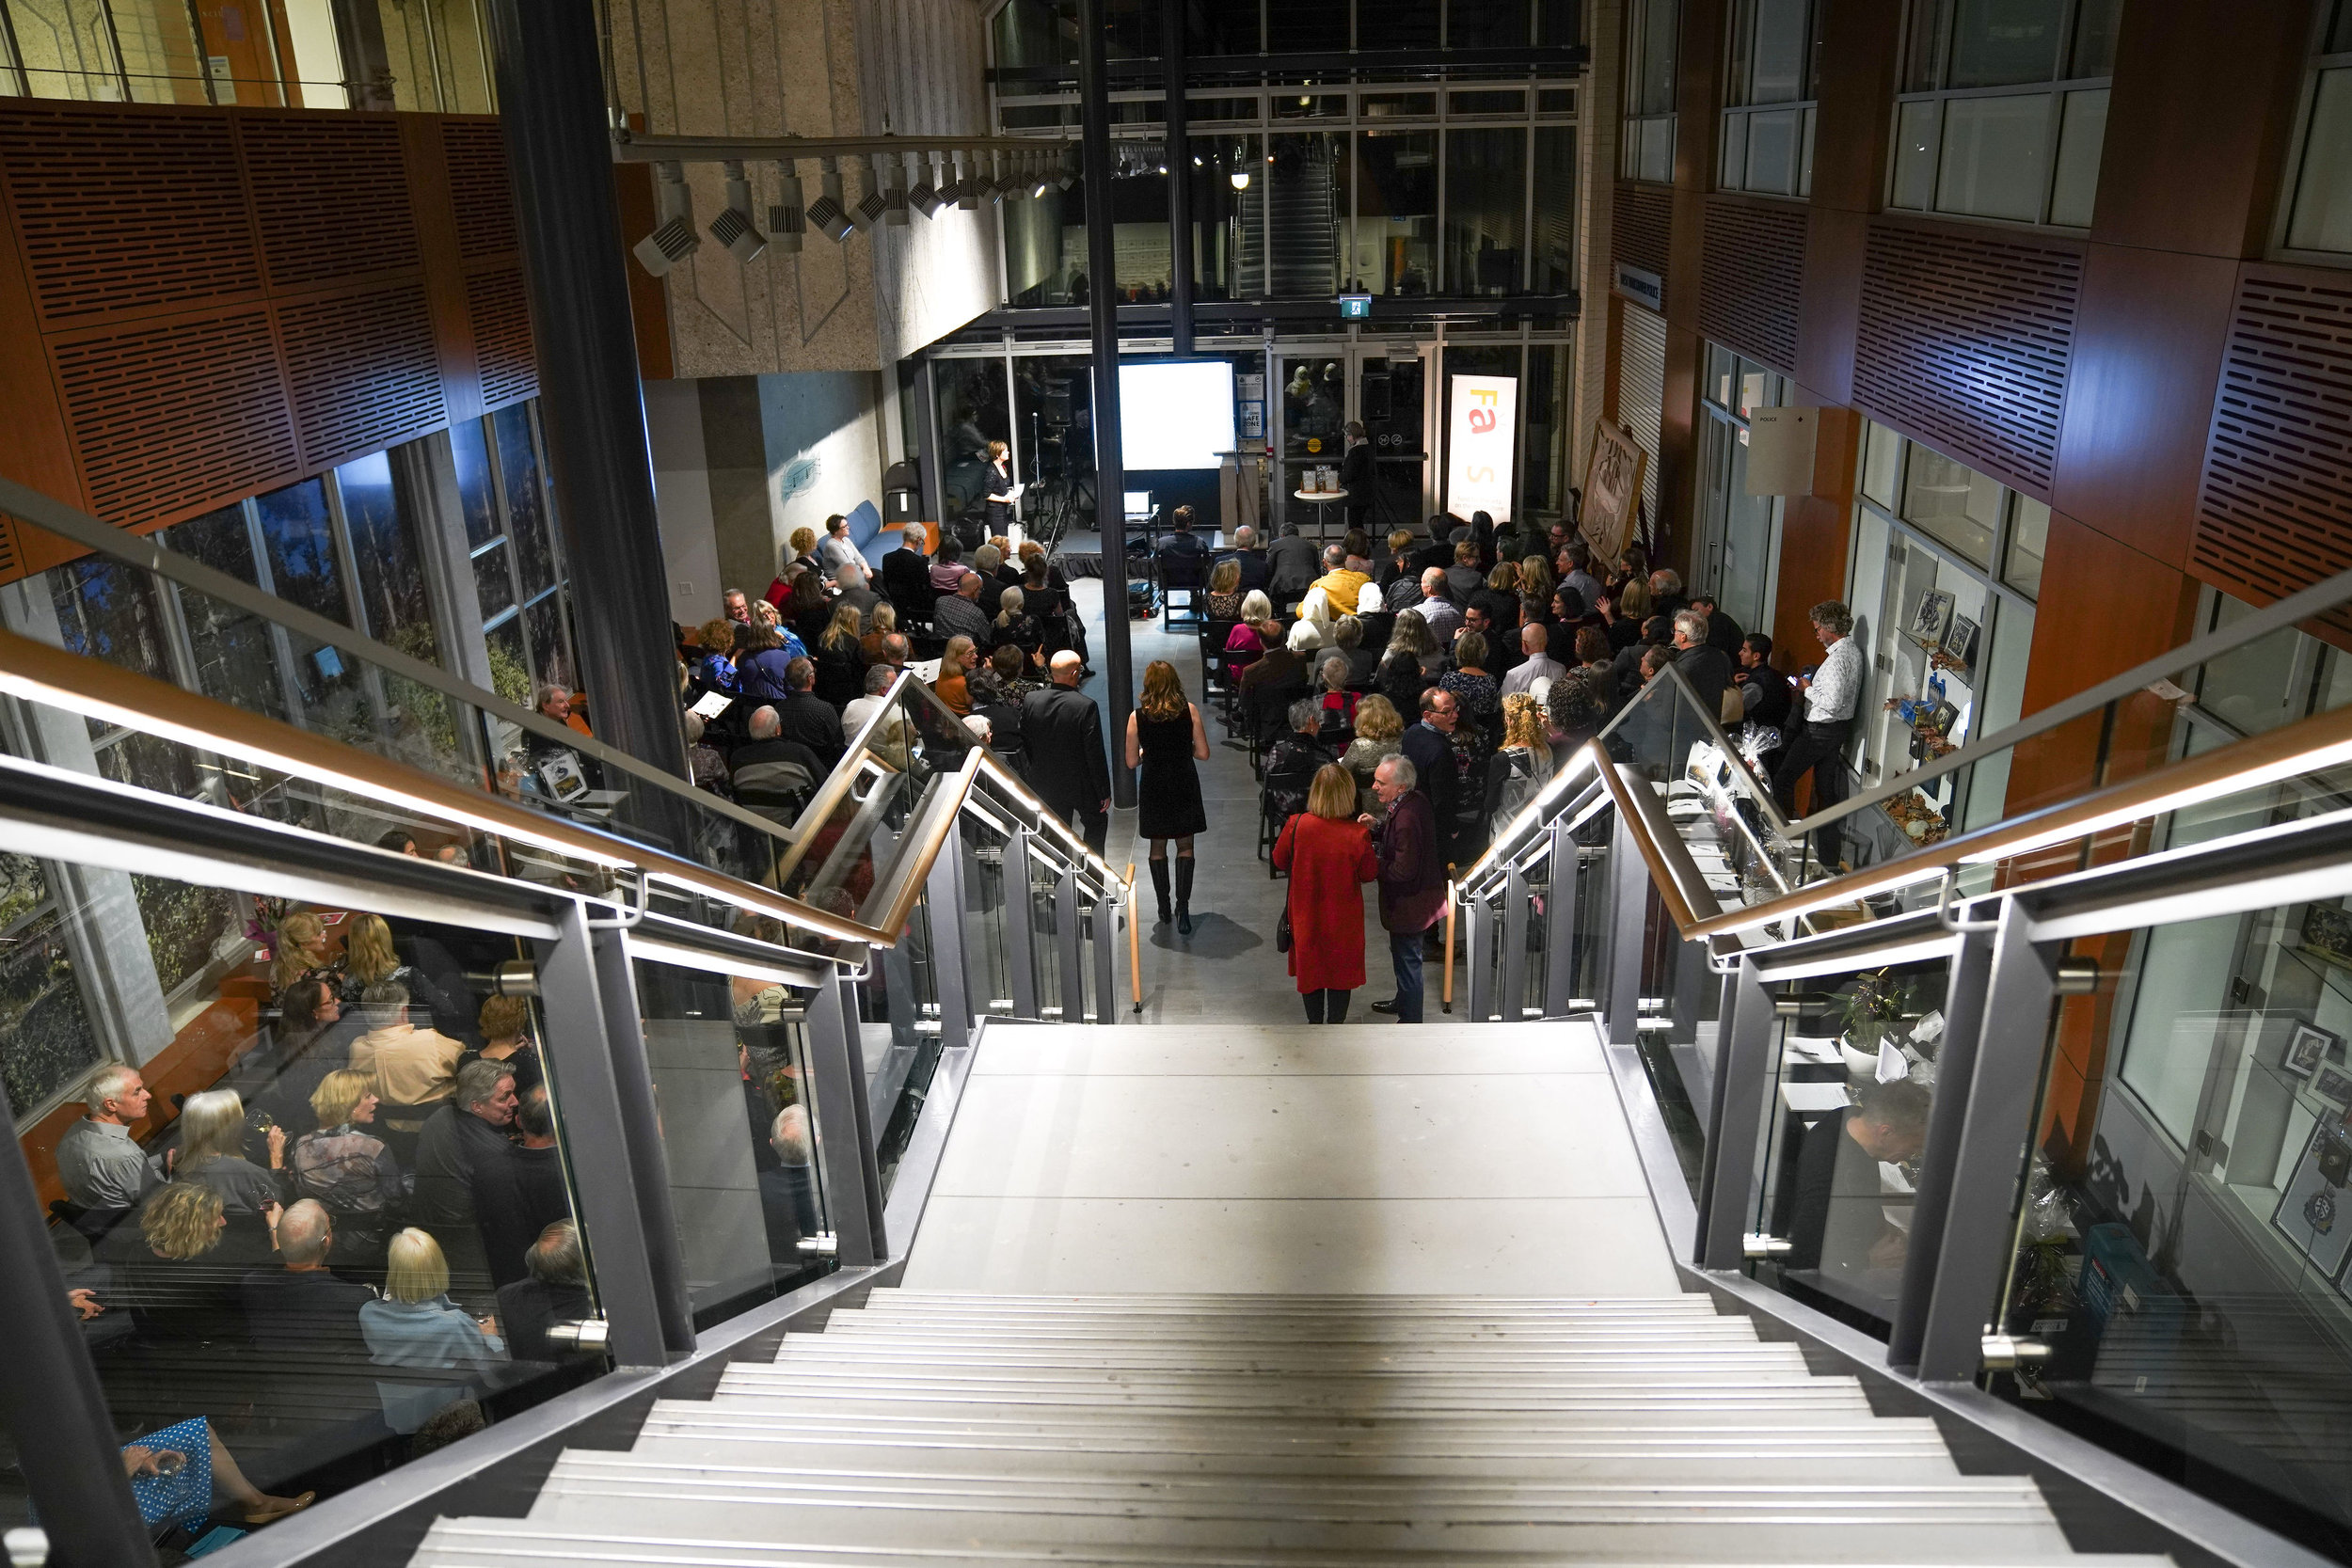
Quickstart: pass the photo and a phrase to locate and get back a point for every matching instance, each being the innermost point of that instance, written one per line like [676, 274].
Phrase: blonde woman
[299, 949]
[211, 1153]
[1329, 855]
[1017, 628]
[1164, 739]
[418, 1326]
[1225, 590]
[368, 954]
[184, 1278]
[879, 625]
[372, 956]
[1521, 766]
[346, 1169]
[1379, 735]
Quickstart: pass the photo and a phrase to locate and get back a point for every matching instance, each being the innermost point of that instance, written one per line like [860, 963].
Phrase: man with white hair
[1534, 639]
[848, 588]
[1412, 876]
[787, 1194]
[1063, 731]
[1250, 559]
[98, 1163]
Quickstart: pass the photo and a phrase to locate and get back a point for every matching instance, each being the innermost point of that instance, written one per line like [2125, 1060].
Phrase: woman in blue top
[417, 1326]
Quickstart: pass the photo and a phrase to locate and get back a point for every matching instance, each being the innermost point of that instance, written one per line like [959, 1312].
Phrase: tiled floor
[1454, 1158]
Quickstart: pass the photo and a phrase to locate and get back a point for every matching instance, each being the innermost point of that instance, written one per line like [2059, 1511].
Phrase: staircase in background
[944, 1427]
[1303, 225]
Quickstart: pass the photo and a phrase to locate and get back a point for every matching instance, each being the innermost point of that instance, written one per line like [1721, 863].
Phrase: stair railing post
[951, 967]
[1067, 938]
[1021, 925]
[1512, 1005]
[845, 1129]
[1745, 1043]
[1105, 936]
[1629, 925]
[1560, 924]
[1974, 1254]
[1955, 1070]
[1482, 943]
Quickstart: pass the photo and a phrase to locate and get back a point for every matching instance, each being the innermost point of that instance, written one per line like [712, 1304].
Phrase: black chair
[1187, 574]
[1212, 633]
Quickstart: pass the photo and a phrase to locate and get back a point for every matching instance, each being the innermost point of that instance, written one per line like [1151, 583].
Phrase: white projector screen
[1175, 414]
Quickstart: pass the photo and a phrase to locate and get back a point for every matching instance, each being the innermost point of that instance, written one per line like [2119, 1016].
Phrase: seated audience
[953, 686]
[958, 613]
[300, 1307]
[1223, 599]
[1379, 735]
[1293, 761]
[348, 1170]
[555, 1291]
[418, 1328]
[804, 717]
[773, 776]
[465, 1138]
[98, 1163]
[413, 1068]
[211, 1152]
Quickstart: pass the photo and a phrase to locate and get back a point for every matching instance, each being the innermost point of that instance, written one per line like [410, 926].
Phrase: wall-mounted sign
[1780, 455]
[1354, 307]
[1612, 485]
[1642, 287]
[1484, 430]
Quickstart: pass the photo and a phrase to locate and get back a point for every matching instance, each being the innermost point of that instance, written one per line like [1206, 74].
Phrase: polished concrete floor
[1486, 1159]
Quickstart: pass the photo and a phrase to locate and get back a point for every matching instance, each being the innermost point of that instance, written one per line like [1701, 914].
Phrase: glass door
[1392, 400]
[1312, 408]
[1320, 390]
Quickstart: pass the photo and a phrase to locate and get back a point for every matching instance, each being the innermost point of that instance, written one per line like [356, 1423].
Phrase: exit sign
[1354, 307]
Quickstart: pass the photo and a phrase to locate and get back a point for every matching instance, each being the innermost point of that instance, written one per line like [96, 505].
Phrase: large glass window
[1307, 202]
[1396, 212]
[1653, 30]
[1769, 97]
[2004, 108]
[1554, 240]
[1485, 191]
[1738, 551]
[396, 605]
[2319, 209]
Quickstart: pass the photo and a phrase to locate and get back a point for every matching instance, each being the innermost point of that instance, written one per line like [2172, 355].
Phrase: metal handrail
[144, 553]
[2297, 606]
[1676, 681]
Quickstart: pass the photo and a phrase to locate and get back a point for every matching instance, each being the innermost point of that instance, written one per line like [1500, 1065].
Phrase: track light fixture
[891, 169]
[788, 220]
[826, 215]
[922, 195]
[1039, 176]
[733, 226]
[967, 192]
[673, 239]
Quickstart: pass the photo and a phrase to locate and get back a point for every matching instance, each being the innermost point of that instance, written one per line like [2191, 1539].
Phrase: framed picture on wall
[2335, 1086]
[1961, 642]
[2316, 1211]
[1934, 617]
[2328, 933]
[2311, 1047]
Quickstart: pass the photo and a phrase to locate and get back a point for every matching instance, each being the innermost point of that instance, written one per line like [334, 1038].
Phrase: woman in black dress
[1165, 739]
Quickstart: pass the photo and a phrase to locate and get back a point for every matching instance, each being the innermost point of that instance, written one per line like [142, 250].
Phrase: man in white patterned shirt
[1819, 746]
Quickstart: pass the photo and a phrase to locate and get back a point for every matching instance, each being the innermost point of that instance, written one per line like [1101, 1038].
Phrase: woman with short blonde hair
[415, 1270]
[368, 953]
[341, 1096]
[1379, 735]
[1332, 795]
[1225, 589]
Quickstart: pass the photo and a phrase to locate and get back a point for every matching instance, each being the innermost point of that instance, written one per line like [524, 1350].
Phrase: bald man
[299, 1306]
[1068, 765]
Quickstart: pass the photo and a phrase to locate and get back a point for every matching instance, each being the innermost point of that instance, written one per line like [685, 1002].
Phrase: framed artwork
[1961, 642]
[2335, 1086]
[1945, 716]
[2315, 1211]
[1933, 618]
[2328, 933]
[2309, 1047]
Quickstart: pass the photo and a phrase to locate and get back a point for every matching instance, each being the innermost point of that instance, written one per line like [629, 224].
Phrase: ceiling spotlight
[1241, 179]
[892, 170]
[967, 188]
[826, 215]
[787, 220]
[733, 226]
[673, 238]
[924, 194]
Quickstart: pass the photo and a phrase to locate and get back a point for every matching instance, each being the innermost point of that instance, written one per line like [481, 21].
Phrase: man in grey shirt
[1828, 698]
[98, 1163]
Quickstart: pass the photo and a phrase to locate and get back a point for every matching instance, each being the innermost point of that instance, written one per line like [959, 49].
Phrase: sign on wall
[1485, 431]
[1612, 486]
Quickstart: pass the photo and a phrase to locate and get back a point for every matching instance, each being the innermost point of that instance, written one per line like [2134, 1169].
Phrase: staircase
[1302, 223]
[944, 1427]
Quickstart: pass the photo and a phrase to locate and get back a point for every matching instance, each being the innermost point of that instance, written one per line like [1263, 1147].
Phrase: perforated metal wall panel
[1641, 397]
[1751, 272]
[475, 152]
[1641, 225]
[331, 195]
[502, 336]
[2275, 509]
[1965, 336]
[162, 412]
[365, 373]
[125, 210]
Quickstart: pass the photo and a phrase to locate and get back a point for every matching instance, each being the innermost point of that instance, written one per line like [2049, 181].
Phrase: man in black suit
[1706, 667]
[1721, 631]
[555, 1292]
[1356, 475]
[1255, 574]
[299, 1308]
[805, 716]
[1293, 564]
[1182, 548]
[1063, 731]
[907, 577]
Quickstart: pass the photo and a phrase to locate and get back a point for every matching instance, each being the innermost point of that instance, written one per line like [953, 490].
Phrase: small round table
[1322, 500]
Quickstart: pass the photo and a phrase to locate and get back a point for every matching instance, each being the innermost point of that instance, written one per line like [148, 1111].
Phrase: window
[2319, 206]
[2004, 108]
[1485, 194]
[1768, 97]
[1650, 59]
[1396, 212]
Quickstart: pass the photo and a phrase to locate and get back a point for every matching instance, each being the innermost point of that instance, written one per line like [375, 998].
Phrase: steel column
[56, 1410]
[951, 969]
[845, 1130]
[1560, 924]
[559, 150]
[1020, 927]
[1746, 1040]
[1069, 949]
[622, 1180]
[1110, 473]
[1107, 912]
[1629, 925]
[1973, 1255]
[1175, 116]
[1513, 1003]
[1955, 1070]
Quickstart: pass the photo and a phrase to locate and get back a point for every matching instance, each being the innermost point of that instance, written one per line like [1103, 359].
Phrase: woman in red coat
[1328, 855]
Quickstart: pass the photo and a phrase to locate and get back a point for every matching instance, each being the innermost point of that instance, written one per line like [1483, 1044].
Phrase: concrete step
[1777, 1457]
[1246, 1304]
[1403, 1391]
[529, 1543]
[864, 1328]
[1900, 1523]
[1322, 1360]
[1677, 1408]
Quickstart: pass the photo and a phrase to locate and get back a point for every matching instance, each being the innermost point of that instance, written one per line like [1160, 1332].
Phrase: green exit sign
[1354, 307]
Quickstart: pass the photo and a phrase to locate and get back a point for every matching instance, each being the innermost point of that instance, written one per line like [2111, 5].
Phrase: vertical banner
[1485, 431]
